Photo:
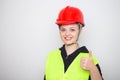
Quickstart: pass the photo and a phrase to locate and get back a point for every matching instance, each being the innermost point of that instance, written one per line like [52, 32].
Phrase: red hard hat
[70, 15]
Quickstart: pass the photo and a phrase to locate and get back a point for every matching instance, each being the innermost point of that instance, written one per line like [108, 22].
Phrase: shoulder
[83, 49]
[53, 56]
[54, 53]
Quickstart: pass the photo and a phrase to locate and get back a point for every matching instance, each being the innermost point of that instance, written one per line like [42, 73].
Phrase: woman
[71, 62]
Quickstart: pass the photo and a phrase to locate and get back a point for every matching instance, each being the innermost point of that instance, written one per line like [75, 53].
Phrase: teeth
[67, 38]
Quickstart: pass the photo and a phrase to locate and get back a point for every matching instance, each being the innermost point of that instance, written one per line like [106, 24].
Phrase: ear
[80, 29]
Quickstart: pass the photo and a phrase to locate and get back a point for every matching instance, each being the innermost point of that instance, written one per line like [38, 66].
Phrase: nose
[67, 33]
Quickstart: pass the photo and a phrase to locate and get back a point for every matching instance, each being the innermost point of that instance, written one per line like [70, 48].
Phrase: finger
[84, 59]
[90, 54]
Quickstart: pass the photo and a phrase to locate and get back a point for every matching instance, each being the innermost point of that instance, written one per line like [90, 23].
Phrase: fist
[87, 63]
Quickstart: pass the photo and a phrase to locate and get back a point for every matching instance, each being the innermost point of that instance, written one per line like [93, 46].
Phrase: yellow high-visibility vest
[55, 67]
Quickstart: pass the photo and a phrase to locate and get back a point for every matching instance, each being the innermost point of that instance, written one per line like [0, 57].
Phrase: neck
[71, 48]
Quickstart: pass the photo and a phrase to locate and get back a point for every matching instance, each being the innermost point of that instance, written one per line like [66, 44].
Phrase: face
[69, 33]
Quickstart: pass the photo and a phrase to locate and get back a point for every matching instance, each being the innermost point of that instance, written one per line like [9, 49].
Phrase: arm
[95, 74]
[88, 64]
[99, 69]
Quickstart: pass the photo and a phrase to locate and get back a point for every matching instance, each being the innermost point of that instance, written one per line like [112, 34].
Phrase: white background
[28, 33]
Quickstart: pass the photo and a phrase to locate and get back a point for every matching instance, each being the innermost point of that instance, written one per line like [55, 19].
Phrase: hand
[87, 63]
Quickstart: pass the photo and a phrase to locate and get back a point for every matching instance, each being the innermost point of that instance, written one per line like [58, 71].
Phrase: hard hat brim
[66, 22]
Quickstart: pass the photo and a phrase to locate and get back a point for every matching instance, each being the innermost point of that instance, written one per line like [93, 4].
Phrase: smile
[67, 38]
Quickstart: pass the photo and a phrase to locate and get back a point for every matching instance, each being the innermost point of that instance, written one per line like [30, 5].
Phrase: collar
[75, 53]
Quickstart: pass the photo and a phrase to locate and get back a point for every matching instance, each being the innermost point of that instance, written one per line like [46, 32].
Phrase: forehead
[69, 25]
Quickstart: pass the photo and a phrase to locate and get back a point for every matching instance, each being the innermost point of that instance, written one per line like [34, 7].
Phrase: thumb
[90, 54]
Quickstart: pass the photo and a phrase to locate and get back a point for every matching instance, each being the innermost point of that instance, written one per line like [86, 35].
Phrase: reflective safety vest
[55, 67]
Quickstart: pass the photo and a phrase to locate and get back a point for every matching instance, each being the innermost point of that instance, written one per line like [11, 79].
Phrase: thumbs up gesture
[87, 63]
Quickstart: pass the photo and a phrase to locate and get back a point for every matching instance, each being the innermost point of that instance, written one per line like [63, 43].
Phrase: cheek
[61, 35]
[76, 36]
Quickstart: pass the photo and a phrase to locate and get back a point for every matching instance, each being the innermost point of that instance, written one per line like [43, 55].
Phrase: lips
[67, 38]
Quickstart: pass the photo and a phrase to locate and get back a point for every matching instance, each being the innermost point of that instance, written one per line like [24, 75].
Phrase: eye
[62, 30]
[72, 30]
